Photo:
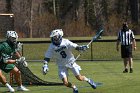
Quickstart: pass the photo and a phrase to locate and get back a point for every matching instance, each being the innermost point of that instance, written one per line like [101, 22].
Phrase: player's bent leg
[81, 78]
[75, 89]
[2, 78]
[70, 85]
[17, 75]
[90, 81]
[4, 82]
[63, 73]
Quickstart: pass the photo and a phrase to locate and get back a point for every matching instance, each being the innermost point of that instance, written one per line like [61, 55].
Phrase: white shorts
[63, 70]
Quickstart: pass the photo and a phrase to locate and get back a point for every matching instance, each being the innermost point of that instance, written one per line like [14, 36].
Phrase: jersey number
[63, 54]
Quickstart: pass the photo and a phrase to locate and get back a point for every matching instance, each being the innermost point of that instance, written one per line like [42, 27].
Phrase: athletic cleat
[131, 70]
[22, 88]
[75, 90]
[11, 90]
[91, 82]
[125, 71]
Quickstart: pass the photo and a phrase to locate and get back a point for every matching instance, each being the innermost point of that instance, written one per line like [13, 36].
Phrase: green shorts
[6, 67]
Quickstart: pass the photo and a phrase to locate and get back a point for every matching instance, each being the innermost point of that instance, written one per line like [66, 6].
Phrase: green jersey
[6, 52]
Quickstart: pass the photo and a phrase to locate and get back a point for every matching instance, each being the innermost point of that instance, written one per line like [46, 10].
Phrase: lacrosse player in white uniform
[62, 49]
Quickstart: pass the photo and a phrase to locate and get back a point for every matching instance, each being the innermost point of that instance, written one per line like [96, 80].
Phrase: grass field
[109, 74]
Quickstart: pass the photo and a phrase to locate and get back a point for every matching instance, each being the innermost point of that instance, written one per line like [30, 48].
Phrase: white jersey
[63, 53]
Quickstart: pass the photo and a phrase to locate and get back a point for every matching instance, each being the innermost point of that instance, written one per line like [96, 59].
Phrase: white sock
[74, 86]
[86, 79]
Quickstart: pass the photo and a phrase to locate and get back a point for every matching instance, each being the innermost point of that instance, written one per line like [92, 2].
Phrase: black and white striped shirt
[126, 37]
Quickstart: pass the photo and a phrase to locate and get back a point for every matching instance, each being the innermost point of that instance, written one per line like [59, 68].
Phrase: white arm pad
[45, 68]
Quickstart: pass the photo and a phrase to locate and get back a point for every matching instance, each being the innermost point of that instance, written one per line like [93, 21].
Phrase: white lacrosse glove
[22, 60]
[45, 68]
[83, 48]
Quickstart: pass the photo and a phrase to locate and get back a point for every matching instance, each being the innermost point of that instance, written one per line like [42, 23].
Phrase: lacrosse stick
[96, 37]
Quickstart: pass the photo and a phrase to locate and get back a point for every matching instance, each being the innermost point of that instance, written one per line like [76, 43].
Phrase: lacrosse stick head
[12, 37]
[56, 36]
[97, 36]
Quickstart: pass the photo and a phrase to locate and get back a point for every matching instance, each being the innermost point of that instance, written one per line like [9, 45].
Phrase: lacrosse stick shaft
[93, 39]
[89, 42]
[82, 51]
[78, 56]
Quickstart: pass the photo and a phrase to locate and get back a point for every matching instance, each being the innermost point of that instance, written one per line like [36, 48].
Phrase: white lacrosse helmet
[56, 32]
[12, 36]
[56, 36]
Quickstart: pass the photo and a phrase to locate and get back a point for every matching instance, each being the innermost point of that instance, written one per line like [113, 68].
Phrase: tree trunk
[134, 10]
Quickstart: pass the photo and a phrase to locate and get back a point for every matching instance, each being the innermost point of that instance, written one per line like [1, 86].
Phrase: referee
[127, 39]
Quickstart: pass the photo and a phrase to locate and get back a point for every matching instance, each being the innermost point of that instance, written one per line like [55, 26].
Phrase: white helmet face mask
[12, 36]
[56, 36]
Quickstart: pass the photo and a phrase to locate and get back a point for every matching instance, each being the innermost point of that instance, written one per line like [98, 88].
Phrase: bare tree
[134, 10]
[8, 6]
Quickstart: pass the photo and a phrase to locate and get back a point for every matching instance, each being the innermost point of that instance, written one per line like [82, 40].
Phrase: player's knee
[79, 78]
[18, 73]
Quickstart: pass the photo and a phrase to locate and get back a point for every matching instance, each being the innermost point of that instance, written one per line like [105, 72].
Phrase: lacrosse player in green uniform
[9, 55]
